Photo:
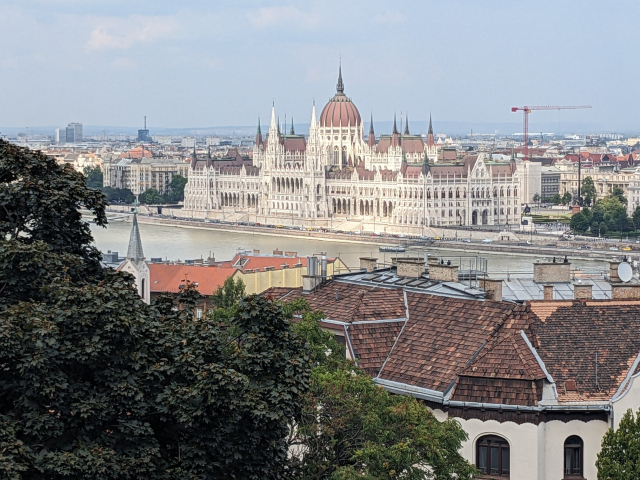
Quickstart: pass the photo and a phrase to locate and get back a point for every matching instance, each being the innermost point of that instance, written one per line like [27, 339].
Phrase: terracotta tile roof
[510, 357]
[168, 278]
[279, 293]
[568, 338]
[260, 262]
[346, 302]
[497, 390]
[137, 152]
[443, 334]
[371, 343]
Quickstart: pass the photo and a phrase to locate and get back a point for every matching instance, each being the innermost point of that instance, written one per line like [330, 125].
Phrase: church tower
[135, 263]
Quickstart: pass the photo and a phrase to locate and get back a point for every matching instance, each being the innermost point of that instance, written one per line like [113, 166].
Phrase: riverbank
[472, 245]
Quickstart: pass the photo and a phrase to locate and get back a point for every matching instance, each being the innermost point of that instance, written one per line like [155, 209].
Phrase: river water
[180, 243]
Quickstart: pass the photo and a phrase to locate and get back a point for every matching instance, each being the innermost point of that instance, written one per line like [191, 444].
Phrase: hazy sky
[213, 63]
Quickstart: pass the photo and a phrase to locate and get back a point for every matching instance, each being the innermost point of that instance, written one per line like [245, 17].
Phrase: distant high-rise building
[61, 135]
[74, 133]
[143, 135]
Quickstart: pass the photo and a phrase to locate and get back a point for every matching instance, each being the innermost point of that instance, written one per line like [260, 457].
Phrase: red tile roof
[568, 334]
[168, 278]
[346, 302]
[443, 334]
[372, 342]
[260, 262]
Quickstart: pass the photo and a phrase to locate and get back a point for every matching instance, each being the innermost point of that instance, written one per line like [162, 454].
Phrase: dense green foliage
[174, 194]
[97, 384]
[608, 214]
[353, 429]
[119, 195]
[556, 199]
[94, 177]
[619, 458]
[588, 191]
[229, 293]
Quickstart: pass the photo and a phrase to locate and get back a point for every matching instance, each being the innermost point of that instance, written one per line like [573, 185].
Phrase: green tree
[536, 198]
[636, 217]
[229, 293]
[176, 188]
[619, 457]
[566, 198]
[613, 212]
[351, 428]
[579, 222]
[94, 177]
[151, 196]
[97, 384]
[618, 193]
[588, 190]
[602, 228]
[556, 199]
[119, 195]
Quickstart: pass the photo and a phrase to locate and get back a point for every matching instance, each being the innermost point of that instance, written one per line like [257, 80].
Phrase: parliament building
[336, 177]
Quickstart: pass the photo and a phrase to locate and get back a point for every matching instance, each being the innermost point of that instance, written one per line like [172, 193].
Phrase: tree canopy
[588, 191]
[94, 177]
[608, 214]
[351, 428]
[619, 457]
[174, 194]
[97, 384]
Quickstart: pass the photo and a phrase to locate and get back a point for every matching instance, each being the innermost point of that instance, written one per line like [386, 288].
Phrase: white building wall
[628, 399]
[537, 451]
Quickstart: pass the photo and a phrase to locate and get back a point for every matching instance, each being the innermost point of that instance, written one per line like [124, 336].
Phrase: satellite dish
[625, 272]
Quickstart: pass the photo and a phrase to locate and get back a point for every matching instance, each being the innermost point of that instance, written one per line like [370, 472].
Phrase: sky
[204, 64]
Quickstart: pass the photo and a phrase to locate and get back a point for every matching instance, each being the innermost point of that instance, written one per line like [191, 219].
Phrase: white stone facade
[337, 176]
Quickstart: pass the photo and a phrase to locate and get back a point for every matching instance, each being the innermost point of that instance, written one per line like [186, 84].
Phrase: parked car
[487, 240]
[613, 248]
[626, 249]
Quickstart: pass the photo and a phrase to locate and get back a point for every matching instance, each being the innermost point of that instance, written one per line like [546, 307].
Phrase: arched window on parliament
[573, 447]
[492, 456]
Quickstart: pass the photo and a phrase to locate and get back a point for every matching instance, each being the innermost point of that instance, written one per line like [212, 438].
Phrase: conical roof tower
[134, 252]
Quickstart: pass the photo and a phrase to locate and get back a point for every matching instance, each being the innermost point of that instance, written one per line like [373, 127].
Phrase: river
[180, 243]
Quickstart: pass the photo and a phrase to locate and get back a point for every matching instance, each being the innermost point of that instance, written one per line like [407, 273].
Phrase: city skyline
[193, 66]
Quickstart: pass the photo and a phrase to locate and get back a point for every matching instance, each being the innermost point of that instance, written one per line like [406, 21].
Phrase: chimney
[368, 264]
[625, 291]
[493, 287]
[409, 267]
[613, 272]
[443, 272]
[256, 252]
[277, 252]
[554, 272]
[582, 291]
[309, 283]
[548, 292]
[290, 254]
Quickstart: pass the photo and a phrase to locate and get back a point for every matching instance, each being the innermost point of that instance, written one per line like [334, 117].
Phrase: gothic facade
[338, 176]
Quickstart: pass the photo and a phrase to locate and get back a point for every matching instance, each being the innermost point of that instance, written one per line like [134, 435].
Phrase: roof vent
[570, 385]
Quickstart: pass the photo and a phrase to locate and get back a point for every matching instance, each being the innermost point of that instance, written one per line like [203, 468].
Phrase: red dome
[340, 109]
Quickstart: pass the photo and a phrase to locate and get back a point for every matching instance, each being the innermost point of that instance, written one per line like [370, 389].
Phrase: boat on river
[395, 248]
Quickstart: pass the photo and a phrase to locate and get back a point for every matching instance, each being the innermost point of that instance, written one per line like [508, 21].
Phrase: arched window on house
[573, 447]
[492, 456]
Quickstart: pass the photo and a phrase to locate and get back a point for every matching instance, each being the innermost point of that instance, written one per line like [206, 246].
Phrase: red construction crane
[525, 123]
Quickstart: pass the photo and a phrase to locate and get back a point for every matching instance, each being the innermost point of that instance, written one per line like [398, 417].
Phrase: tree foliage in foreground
[353, 429]
[96, 384]
[619, 458]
